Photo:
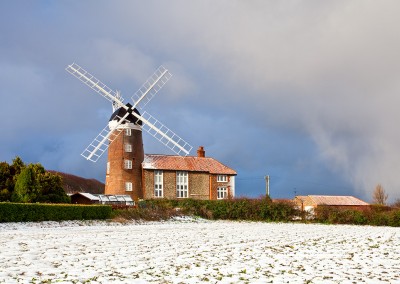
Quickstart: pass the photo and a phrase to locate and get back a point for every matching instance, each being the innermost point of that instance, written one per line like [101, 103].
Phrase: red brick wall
[215, 184]
[118, 175]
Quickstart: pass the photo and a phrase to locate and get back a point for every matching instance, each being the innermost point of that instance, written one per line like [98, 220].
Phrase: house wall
[198, 187]
[201, 185]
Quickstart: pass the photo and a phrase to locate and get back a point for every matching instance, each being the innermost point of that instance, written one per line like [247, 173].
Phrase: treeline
[30, 184]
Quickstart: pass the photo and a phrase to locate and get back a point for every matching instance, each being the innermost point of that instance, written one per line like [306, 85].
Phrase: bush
[28, 212]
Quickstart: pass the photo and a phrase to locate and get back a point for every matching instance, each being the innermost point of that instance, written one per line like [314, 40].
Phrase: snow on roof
[88, 196]
[337, 200]
[189, 163]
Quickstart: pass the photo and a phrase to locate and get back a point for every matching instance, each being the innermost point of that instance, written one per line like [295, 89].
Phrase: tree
[24, 186]
[379, 195]
[6, 182]
[396, 204]
[30, 183]
[51, 189]
[17, 166]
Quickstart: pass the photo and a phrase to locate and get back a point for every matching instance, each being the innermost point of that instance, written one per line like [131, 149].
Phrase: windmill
[125, 152]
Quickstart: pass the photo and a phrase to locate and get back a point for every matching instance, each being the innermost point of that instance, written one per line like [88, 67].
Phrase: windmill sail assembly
[122, 136]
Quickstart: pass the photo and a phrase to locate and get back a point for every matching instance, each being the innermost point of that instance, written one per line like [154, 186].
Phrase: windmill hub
[129, 122]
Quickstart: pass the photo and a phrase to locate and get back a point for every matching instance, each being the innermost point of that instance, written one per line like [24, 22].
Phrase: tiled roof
[336, 200]
[302, 198]
[189, 163]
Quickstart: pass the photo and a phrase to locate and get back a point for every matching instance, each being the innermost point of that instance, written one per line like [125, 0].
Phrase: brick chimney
[200, 152]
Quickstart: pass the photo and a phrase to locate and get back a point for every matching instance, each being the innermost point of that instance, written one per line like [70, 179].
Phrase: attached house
[196, 177]
[311, 202]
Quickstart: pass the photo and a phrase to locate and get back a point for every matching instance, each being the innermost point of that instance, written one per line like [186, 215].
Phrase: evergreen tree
[24, 186]
[6, 182]
[51, 189]
[16, 167]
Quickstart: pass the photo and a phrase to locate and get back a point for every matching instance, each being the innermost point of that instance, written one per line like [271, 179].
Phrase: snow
[187, 250]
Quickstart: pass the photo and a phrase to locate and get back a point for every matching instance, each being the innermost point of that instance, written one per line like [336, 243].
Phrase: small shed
[84, 198]
[311, 202]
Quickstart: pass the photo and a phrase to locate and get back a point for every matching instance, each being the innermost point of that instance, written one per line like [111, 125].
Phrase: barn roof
[336, 200]
[188, 163]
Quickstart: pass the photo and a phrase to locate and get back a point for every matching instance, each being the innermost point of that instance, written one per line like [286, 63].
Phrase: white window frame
[128, 132]
[222, 178]
[158, 184]
[108, 168]
[128, 147]
[222, 192]
[128, 186]
[127, 164]
[182, 184]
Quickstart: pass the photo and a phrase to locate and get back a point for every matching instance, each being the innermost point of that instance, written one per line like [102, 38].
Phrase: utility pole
[267, 184]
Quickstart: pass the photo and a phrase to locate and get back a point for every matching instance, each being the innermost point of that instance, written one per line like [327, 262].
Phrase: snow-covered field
[193, 251]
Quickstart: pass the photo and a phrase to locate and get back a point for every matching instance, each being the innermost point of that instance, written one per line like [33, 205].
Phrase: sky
[306, 92]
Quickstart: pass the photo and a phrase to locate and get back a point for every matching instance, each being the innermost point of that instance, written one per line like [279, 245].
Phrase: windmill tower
[123, 134]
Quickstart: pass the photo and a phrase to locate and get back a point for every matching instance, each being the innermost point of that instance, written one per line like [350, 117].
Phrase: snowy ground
[193, 251]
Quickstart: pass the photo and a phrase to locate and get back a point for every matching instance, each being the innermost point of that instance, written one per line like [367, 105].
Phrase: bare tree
[396, 203]
[379, 195]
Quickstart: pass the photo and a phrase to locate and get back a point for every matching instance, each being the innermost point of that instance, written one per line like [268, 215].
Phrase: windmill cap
[121, 112]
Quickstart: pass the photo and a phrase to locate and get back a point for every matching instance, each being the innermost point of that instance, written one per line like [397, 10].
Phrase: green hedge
[261, 209]
[373, 215]
[34, 212]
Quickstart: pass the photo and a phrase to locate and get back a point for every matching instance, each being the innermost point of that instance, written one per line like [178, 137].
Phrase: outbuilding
[310, 202]
[108, 199]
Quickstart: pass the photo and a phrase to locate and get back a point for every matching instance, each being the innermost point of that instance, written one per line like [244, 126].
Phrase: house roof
[188, 163]
[336, 200]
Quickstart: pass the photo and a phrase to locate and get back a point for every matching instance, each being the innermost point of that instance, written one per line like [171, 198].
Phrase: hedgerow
[262, 209]
[233, 209]
[34, 212]
[374, 215]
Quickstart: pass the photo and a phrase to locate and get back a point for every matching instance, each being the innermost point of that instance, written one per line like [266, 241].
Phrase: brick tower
[125, 156]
